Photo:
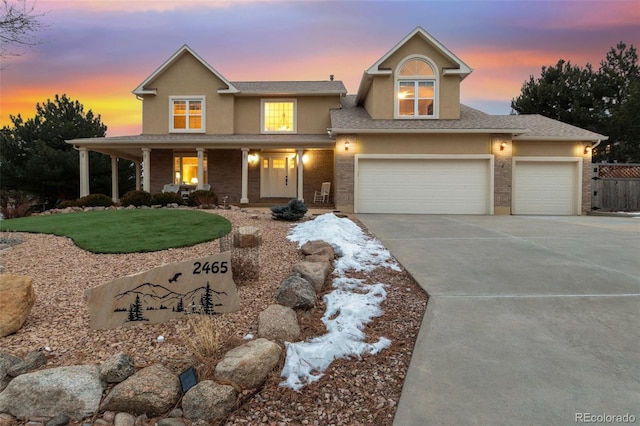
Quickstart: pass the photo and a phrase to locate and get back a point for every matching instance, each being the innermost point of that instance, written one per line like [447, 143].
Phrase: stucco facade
[262, 140]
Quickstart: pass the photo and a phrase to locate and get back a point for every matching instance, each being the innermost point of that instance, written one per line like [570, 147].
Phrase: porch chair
[170, 187]
[322, 196]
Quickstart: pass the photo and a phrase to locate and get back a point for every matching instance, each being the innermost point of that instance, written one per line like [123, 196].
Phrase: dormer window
[416, 89]
[186, 114]
[278, 116]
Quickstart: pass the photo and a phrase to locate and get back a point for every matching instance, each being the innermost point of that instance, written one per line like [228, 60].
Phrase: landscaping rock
[209, 400]
[74, 390]
[6, 361]
[59, 420]
[314, 272]
[7, 419]
[279, 323]
[16, 300]
[248, 365]
[32, 361]
[318, 248]
[296, 292]
[117, 368]
[124, 419]
[246, 236]
[154, 390]
[171, 421]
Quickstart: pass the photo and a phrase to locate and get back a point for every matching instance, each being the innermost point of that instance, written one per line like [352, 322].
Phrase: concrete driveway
[531, 320]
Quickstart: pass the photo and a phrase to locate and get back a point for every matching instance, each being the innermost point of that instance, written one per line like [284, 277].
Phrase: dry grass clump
[202, 336]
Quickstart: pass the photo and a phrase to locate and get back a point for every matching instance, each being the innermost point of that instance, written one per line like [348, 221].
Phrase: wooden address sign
[170, 291]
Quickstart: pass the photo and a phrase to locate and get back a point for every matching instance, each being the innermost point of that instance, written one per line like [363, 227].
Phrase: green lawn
[127, 231]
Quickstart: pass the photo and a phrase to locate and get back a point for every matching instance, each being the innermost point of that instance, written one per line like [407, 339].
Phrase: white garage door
[424, 186]
[547, 188]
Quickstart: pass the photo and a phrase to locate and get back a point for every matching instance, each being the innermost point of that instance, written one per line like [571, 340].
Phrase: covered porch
[241, 169]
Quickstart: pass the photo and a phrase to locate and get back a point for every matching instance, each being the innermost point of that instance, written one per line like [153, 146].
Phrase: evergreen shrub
[293, 211]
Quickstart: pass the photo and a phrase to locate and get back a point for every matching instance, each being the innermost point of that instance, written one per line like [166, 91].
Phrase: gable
[377, 91]
[185, 53]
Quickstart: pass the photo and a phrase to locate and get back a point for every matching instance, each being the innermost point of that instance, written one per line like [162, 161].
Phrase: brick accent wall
[224, 173]
[161, 169]
[503, 172]
[345, 173]
[587, 168]
[318, 168]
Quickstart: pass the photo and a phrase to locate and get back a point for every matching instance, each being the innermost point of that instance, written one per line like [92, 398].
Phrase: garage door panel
[423, 186]
[545, 188]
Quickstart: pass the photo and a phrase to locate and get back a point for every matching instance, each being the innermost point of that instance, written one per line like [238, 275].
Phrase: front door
[278, 175]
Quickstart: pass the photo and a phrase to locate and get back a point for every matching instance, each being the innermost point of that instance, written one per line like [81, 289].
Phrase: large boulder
[209, 400]
[17, 297]
[318, 251]
[75, 391]
[296, 292]
[249, 365]
[314, 272]
[117, 368]
[279, 323]
[153, 391]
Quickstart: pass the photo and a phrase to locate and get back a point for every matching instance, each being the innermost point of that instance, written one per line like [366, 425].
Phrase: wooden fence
[616, 187]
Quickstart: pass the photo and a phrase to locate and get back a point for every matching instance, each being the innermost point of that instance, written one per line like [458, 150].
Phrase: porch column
[146, 169]
[114, 179]
[300, 175]
[245, 176]
[138, 174]
[84, 171]
[200, 167]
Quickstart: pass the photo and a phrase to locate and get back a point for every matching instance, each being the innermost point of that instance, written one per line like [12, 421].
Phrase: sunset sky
[98, 51]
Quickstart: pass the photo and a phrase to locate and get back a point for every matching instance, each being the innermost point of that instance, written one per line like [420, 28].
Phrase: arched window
[416, 89]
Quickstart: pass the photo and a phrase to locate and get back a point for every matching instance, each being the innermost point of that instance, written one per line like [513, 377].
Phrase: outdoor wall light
[502, 146]
[252, 158]
[587, 149]
[346, 146]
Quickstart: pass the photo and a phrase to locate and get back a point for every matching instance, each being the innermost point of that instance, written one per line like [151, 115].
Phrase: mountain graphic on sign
[154, 296]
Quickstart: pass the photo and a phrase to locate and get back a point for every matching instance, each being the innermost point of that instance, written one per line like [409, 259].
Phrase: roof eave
[337, 130]
[574, 138]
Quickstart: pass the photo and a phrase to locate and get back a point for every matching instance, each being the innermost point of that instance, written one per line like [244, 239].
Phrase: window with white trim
[187, 114]
[416, 90]
[278, 116]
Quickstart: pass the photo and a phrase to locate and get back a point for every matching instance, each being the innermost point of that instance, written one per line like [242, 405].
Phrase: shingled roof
[351, 118]
[297, 88]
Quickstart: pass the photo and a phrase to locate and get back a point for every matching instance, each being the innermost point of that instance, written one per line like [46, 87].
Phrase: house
[402, 144]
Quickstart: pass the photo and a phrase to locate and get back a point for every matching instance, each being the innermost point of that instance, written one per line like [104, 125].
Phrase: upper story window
[186, 114]
[416, 90]
[278, 116]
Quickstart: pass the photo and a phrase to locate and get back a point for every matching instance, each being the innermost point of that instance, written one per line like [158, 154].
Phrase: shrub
[67, 203]
[95, 200]
[136, 198]
[203, 197]
[166, 198]
[294, 210]
[16, 204]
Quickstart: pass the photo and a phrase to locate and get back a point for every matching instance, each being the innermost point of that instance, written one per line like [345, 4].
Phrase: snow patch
[351, 306]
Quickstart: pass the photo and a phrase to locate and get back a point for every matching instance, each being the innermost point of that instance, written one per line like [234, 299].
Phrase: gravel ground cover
[353, 391]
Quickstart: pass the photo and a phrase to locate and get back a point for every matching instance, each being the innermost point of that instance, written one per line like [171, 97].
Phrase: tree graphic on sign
[135, 311]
